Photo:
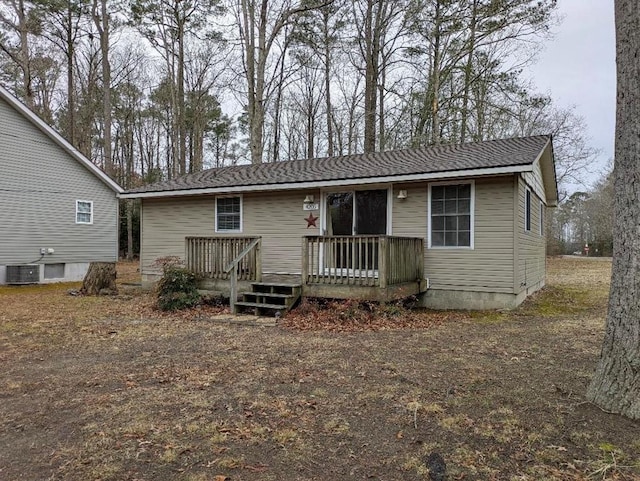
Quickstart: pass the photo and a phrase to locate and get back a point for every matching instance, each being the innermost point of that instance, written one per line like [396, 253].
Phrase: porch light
[402, 194]
[308, 199]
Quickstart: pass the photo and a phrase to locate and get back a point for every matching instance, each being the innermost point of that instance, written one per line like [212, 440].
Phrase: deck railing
[376, 261]
[209, 257]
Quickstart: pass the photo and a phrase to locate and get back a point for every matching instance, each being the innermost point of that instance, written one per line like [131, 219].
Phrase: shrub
[177, 289]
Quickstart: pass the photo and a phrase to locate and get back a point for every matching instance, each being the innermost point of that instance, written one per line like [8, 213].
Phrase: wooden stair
[269, 298]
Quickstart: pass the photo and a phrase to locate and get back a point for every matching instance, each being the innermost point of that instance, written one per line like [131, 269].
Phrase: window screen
[228, 214]
[84, 212]
[451, 215]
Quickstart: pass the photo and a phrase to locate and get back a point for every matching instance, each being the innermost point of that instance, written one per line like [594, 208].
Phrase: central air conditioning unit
[24, 274]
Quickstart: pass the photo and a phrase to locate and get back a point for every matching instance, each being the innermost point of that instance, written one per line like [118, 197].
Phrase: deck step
[267, 294]
[276, 284]
[275, 307]
[269, 298]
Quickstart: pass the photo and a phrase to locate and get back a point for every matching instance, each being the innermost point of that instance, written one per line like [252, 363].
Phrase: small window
[228, 214]
[541, 218]
[84, 212]
[527, 210]
[451, 215]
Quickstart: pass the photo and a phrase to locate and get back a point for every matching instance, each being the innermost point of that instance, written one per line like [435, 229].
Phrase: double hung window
[228, 214]
[451, 215]
[84, 212]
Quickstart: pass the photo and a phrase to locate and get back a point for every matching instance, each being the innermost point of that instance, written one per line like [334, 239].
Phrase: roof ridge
[364, 154]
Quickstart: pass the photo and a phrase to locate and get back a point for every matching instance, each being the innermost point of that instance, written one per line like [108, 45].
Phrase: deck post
[233, 297]
[305, 261]
[258, 252]
[383, 262]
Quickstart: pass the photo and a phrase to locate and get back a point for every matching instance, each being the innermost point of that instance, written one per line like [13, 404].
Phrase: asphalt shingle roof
[520, 151]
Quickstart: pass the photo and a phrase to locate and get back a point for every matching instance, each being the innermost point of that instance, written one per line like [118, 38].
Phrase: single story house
[462, 226]
[59, 211]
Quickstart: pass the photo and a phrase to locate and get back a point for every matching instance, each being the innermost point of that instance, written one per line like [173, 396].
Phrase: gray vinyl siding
[277, 217]
[531, 266]
[488, 267]
[39, 186]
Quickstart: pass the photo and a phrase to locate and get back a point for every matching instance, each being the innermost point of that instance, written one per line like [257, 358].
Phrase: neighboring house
[58, 211]
[460, 225]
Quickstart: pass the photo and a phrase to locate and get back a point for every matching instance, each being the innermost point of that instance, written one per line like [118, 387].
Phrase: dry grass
[109, 389]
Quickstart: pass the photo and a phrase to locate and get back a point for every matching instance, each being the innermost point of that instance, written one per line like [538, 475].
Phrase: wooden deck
[376, 268]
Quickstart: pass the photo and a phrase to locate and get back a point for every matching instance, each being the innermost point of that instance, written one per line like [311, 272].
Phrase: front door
[363, 212]
[360, 212]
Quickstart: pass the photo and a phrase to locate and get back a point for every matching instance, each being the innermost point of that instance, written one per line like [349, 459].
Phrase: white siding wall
[39, 186]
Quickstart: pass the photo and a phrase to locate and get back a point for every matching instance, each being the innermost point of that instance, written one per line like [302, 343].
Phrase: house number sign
[310, 206]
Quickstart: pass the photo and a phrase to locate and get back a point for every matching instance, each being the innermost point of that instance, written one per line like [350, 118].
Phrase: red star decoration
[311, 220]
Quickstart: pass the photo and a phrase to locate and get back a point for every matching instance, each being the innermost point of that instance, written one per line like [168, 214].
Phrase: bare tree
[374, 20]
[261, 22]
[101, 19]
[168, 24]
[19, 18]
[63, 26]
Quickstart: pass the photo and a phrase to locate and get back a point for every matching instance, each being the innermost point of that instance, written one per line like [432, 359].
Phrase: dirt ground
[110, 389]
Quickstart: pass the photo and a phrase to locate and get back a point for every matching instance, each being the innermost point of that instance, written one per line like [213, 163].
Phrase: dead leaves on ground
[355, 316]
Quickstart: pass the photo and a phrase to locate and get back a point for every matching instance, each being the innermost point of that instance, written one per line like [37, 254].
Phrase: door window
[362, 212]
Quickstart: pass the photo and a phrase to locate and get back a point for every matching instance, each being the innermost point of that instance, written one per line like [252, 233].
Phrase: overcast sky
[577, 68]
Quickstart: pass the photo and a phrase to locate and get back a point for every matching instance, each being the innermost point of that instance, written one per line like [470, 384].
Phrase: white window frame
[229, 231]
[472, 213]
[90, 202]
[541, 219]
[527, 210]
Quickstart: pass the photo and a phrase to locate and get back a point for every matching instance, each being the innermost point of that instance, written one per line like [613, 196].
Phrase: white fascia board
[335, 183]
[544, 166]
[58, 139]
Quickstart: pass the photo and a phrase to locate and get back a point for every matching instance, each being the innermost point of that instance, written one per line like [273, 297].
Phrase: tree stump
[100, 279]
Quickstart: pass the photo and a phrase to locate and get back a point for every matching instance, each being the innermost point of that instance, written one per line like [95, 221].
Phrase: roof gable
[550, 181]
[58, 139]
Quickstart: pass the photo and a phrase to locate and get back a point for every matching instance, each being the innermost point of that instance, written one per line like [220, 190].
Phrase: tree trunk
[275, 157]
[182, 135]
[370, 78]
[382, 133]
[101, 21]
[616, 384]
[435, 100]
[100, 279]
[25, 56]
[71, 105]
[327, 80]
[468, 70]
[254, 71]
